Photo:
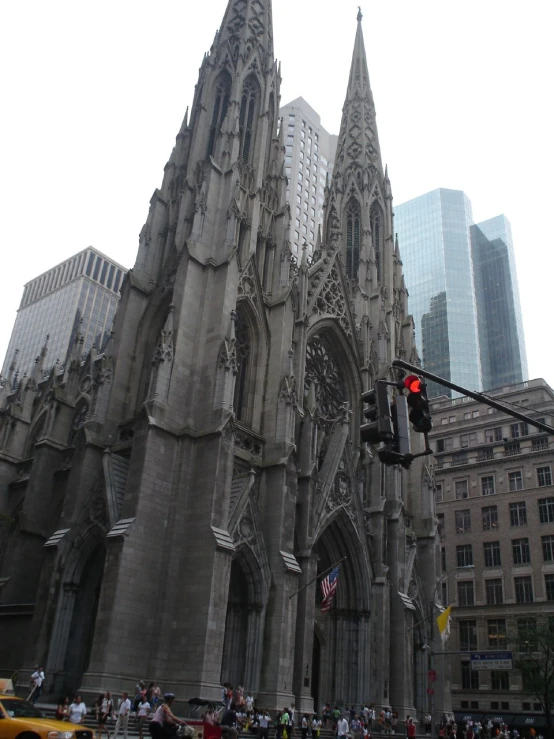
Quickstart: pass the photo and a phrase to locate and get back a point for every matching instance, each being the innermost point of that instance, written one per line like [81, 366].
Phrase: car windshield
[20, 709]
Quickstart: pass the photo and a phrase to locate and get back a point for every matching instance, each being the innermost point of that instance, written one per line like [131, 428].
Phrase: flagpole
[321, 574]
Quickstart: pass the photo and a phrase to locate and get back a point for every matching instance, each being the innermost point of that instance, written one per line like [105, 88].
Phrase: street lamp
[431, 639]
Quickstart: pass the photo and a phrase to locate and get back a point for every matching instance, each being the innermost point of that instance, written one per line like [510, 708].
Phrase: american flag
[328, 588]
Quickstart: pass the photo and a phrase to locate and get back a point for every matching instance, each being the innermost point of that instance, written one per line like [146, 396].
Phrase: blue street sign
[491, 660]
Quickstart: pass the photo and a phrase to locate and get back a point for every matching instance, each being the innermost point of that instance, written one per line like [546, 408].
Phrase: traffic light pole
[476, 396]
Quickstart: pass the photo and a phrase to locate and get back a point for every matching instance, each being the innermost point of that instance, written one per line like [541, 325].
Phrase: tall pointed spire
[247, 23]
[358, 147]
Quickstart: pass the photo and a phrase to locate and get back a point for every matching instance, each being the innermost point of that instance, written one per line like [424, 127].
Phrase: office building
[462, 282]
[78, 295]
[495, 504]
[309, 160]
[434, 236]
[501, 339]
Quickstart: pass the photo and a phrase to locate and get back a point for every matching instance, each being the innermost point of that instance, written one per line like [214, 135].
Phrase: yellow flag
[443, 622]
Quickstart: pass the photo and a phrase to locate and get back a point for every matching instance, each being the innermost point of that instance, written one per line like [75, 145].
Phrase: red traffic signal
[420, 414]
[413, 383]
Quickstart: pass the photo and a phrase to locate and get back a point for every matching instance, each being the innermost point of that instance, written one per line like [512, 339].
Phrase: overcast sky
[93, 94]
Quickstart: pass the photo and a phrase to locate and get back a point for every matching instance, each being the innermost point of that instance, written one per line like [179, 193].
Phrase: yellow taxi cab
[19, 719]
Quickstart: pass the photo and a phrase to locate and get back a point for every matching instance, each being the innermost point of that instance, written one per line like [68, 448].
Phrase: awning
[462, 717]
[529, 720]
[499, 718]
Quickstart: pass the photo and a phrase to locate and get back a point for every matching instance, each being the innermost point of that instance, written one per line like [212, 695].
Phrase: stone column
[254, 648]
[305, 612]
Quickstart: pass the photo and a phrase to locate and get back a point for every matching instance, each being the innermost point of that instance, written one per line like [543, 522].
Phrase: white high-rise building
[310, 157]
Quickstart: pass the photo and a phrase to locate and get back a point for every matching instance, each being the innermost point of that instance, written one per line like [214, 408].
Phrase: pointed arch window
[270, 131]
[248, 111]
[353, 229]
[243, 350]
[376, 235]
[221, 104]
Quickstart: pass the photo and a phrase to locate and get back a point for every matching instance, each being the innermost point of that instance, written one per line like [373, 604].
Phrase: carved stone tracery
[323, 372]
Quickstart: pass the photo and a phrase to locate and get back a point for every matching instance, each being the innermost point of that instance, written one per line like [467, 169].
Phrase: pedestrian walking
[342, 728]
[37, 681]
[264, 720]
[62, 710]
[142, 714]
[123, 712]
[105, 710]
[77, 710]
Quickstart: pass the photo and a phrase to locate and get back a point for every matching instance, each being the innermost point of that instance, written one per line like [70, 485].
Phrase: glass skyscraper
[80, 294]
[503, 356]
[463, 292]
[435, 244]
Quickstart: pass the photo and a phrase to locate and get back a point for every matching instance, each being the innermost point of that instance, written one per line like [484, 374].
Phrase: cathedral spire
[247, 24]
[358, 152]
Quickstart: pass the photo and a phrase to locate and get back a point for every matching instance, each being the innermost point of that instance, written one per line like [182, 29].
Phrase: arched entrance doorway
[87, 596]
[244, 622]
[77, 604]
[340, 668]
[236, 628]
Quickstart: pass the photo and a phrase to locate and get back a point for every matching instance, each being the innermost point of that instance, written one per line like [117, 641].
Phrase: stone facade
[495, 501]
[164, 502]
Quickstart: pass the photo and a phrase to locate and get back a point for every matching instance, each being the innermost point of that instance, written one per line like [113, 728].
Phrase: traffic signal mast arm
[476, 396]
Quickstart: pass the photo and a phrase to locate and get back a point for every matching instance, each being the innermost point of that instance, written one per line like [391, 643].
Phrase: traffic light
[379, 427]
[399, 450]
[399, 409]
[420, 415]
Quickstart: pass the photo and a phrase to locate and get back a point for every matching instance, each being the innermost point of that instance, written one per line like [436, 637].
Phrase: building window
[493, 591]
[221, 103]
[512, 449]
[375, 226]
[438, 492]
[497, 633]
[468, 635]
[521, 552]
[527, 632]
[487, 485]
[443, 559]
[467, 440]
[470, 678]
[494, 434]
[518, 429]
[463, 521]
[466, 595]
[518, 514]
[548, 548]
[544, 476]
[243, 354]
[247, 117]
[500, 680]
[464, 555]
[546, 510]
[353, 226]
[549, 587]
[524, 589]
[444, 445]
[462, 490]
[492, 554]
[490, 518]
[515, 480]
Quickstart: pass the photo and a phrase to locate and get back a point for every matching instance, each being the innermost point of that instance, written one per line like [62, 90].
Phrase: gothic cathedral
[168, 500]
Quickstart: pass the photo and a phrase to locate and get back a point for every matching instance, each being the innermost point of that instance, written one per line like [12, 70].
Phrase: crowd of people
[150, 712]
[489, 729]
[239, 713]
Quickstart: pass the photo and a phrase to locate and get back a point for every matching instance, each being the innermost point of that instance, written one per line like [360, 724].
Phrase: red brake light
[413, 383]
